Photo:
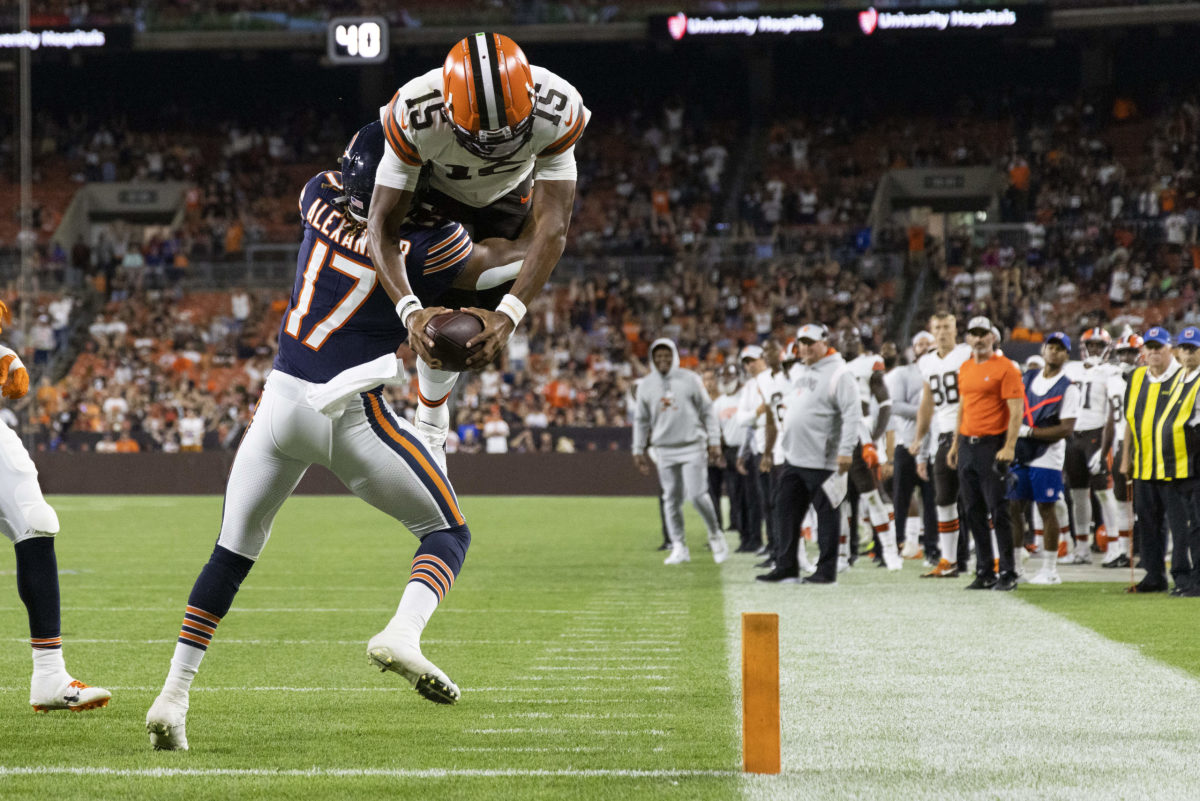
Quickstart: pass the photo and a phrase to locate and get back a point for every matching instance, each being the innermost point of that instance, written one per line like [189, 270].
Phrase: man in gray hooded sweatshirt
[675, 417]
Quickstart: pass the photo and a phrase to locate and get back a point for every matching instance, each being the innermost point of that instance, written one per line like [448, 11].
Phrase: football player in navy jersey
[323, 404]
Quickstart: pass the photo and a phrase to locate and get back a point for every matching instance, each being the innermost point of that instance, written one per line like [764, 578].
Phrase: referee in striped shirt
[1147, 398]
[989, 420]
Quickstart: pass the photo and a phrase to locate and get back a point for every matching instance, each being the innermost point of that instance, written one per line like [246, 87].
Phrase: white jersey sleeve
[418, 133]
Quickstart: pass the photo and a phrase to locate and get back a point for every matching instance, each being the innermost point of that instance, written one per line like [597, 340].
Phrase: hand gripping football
[450, 332]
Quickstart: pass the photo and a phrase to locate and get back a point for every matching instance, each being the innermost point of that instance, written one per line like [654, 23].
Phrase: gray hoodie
[820, 414]
[673, 411]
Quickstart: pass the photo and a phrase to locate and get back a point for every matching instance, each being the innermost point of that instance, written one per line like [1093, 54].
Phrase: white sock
[1039, 541]
[495, 276]
[1108, 512]
[184, 665]
[948, 539]
[1017, 554]
[1050, 562]
[433, 390]
[417, 605]
[48, 662]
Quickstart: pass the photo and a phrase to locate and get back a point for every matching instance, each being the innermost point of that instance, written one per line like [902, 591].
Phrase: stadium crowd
[677, 231]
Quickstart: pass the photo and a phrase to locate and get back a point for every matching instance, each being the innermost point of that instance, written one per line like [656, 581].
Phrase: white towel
[836, 487]
[332, 397]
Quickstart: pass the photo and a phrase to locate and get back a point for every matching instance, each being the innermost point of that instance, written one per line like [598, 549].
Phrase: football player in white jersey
[496, 137]
[30, 524]
[1128, 350]
[868, 371]
[938, 416]
[1087, 468]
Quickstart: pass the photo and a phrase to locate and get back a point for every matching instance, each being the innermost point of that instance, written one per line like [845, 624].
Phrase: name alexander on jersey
[418, 133]
[327, 220]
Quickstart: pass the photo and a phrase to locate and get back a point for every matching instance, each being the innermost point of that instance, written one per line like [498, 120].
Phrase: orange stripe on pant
[433, 474]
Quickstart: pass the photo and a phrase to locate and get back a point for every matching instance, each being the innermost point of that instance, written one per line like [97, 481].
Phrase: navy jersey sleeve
[339, 314]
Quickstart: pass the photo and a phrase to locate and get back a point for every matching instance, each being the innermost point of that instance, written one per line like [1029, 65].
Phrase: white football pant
[375, 452]
[24, 513]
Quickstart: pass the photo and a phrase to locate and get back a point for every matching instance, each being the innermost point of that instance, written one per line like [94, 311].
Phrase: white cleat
[64, 692]
[679, 554]
[843, 564]
[166, 722]
[911, 550]
[407, 660]
[892, 560]
[1046, 577]
[434, 438]
[1075, 559]
[720, 548]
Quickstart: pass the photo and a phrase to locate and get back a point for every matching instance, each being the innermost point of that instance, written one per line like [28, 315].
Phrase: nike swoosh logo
[525, 199]
[403, 124]
[571, 118]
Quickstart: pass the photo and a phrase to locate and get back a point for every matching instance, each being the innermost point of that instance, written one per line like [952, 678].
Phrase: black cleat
[1120, 561]
[780, 577]
[1006, 583]
[981, 582]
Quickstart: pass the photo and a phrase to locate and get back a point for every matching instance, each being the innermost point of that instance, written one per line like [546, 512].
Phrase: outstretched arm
[389, 207]
[549, 219]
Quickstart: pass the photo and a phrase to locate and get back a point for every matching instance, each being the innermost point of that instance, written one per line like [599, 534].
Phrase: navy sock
[439, 558]
[212, 595]
[37, 584]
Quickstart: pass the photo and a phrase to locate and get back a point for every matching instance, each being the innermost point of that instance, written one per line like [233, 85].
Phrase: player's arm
[952, 454]
[1066, 425]
[880, 393]
[924, 417]
[389, 207]
[549, 218]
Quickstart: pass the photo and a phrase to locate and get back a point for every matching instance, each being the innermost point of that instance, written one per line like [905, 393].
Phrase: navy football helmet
[359, 162]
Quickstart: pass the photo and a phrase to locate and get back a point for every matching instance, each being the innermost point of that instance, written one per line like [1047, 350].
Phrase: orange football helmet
[488, 95]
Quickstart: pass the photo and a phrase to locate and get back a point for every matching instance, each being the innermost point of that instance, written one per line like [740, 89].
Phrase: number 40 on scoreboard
[358, 40]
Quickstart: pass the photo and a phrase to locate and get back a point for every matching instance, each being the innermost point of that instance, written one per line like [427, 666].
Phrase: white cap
[751, 352]
[814, 331]
[979, 323]
[922, 336]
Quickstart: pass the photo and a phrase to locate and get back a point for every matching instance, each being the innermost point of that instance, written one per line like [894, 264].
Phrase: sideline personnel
[989, 420]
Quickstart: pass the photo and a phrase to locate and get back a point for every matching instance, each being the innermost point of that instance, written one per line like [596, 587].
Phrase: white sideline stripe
[381, 688]
[274, 610]
[362, 642]
[985, 697]
[397, 773]
[544, 730]
[602, 668]
[577, 715]
[654, 676]
[578, 749]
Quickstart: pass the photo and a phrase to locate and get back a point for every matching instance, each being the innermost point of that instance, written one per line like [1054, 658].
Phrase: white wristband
[512, 307]
[407, 305]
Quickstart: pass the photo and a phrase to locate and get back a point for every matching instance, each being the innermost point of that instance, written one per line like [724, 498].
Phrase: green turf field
[1160, 627]
[576, 654]
[589, 671]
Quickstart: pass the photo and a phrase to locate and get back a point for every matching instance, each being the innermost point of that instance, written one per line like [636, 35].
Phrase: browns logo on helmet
[488, 95]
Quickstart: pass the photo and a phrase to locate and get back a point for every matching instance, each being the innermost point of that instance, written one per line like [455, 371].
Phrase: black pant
[741, 498]
[1160, 505]
[982, 490]
[904, 481]
[1190, 553]
[766, 505]
[800, 487]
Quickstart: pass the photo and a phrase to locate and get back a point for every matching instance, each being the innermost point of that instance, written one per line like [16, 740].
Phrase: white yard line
[894, 687]
[338, 773]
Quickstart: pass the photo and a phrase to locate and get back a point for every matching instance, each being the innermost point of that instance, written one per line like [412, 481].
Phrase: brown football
[450, 332]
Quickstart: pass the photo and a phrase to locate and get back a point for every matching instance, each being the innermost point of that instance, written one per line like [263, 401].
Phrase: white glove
[1026, 431]
[1096, 464]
